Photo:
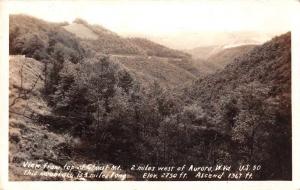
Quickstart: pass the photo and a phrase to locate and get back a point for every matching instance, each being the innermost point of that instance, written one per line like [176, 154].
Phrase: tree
[70, 102]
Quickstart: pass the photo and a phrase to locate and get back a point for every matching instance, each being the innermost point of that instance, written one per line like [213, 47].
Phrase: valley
[80, 93]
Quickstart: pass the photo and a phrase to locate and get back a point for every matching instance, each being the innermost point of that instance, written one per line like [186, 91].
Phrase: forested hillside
[227, 55]
[54, 42]
[154, 49]
[103, 104]
[250, 100]
[213, 58]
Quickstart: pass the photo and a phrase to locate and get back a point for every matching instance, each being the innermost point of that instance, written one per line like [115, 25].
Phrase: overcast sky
[158, 19]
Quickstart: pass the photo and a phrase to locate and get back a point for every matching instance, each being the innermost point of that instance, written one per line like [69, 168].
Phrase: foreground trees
[99, 102]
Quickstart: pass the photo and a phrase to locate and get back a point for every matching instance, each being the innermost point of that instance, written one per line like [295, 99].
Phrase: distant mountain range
[192, 40]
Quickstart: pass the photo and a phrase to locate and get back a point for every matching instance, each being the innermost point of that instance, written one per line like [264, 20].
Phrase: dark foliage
[46, 42]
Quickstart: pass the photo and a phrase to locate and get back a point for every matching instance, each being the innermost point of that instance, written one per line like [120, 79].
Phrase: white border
[4, 71]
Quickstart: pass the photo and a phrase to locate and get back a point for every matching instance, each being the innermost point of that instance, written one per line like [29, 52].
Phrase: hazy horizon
[179, 25]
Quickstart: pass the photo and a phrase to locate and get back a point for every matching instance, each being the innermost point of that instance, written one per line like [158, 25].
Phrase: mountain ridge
[55, 39]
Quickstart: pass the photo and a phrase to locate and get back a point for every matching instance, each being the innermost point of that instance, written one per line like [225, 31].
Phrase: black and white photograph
[150, 90]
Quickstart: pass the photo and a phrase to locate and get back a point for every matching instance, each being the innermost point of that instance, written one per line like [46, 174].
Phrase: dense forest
[116, 111]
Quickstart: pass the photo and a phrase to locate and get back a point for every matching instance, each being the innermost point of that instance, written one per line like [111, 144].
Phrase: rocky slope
[31, 140]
